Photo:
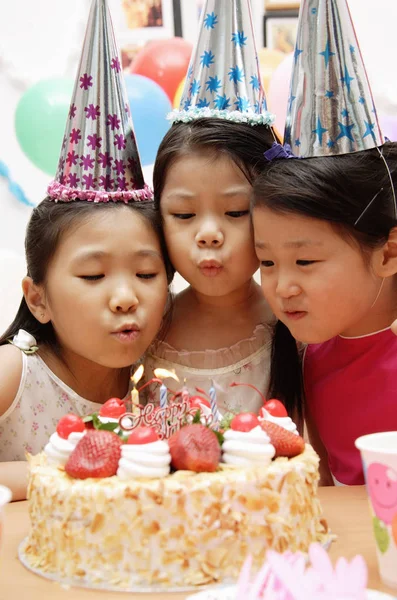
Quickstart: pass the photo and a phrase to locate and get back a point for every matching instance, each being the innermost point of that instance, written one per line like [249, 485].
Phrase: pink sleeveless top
[351, 390]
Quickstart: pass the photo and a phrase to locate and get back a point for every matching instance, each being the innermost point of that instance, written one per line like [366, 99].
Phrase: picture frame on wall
[257, 21]
[138, 22]
[187, 15]
[280, 31]
[282, 5]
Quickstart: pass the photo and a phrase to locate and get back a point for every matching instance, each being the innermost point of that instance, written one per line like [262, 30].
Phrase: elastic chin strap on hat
[391, 181]
[378, 294]
[380, 191]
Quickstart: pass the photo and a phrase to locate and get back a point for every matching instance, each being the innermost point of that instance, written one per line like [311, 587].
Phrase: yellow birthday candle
[137, 376]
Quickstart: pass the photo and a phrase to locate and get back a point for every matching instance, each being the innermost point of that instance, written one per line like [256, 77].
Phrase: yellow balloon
[268, 62]
[178, 94]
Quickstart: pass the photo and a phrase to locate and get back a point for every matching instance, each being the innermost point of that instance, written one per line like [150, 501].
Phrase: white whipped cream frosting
[58, 449]
[144, 460]
[284, 422]
[246, 448]
[107, 419]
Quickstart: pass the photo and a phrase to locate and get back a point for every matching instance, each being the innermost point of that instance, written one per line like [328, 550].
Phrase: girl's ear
[386, 265]
[35, 299]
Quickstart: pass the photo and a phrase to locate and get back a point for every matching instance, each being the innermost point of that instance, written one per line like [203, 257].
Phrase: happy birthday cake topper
[167, 420]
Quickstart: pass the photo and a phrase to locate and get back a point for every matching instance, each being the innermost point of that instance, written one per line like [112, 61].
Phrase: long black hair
[48, 223]
[243, 143]
[338, 190]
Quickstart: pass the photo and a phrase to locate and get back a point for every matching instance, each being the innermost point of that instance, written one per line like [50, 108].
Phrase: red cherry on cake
[198, 402]
[275, 408]
[113, 408]
[143, 435]
[69, 424]
[244, 422]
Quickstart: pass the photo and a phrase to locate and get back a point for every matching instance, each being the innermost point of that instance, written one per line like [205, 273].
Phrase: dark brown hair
[48, 223]
[338, 190]
[243, 143]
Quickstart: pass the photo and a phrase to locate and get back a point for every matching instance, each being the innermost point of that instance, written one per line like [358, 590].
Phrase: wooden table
[346, 510]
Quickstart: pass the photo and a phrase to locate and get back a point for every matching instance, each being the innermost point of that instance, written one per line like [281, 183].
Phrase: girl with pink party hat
[96, 287]
[325, 226]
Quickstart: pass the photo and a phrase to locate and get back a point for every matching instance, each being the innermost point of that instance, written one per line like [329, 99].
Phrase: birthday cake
[176, 505]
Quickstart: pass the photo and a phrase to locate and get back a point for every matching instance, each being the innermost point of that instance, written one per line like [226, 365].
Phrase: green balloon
[40, 121]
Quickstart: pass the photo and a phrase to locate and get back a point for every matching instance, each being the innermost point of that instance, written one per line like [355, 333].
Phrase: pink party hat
[99, 159]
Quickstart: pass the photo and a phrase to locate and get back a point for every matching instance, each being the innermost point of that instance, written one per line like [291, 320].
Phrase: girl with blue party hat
[96, 288]
[221, 326]
[325, 222]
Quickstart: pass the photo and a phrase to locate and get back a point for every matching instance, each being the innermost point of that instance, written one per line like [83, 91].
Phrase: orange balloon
[179, 92]
[268, 63]
[164, 61]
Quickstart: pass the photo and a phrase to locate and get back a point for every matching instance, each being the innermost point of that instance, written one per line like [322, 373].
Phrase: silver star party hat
[224, 79]
[330, 109]
[99, 160]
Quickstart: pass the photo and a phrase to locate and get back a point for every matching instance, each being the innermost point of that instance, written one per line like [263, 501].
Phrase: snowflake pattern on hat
[224, 79]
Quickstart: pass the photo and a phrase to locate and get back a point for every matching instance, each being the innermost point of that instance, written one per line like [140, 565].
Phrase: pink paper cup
[379, 457]
[5, 497]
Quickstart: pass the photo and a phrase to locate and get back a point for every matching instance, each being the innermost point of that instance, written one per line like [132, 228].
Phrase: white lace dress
[247, 361]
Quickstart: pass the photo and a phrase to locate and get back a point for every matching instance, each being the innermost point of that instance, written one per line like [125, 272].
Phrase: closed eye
[237, 213]
[183, 216]
[305, 263]
[267, 263]
[91, 277]
[146, 275]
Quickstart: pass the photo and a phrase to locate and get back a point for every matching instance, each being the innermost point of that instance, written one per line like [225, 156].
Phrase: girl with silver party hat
[221, 325]
[96, 283]
[326, 236]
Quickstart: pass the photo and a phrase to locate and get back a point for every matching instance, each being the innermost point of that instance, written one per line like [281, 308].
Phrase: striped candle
[163, 404]
[185, 396]
[214, 406]
[163, 395]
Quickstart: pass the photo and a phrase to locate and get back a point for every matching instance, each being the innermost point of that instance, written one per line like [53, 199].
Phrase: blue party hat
[224, 78]
[330, 109]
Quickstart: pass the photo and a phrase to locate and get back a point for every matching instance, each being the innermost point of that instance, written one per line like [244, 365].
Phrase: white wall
[42, 38]
[376, 29]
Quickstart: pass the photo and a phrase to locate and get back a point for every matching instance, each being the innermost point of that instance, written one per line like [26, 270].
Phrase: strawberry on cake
[125, 509]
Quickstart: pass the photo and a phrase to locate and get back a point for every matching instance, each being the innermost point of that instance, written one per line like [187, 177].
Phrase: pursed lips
[126, 327]
[208, 264]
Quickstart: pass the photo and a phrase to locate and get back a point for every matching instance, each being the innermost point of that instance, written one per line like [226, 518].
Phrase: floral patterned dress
[42, 399]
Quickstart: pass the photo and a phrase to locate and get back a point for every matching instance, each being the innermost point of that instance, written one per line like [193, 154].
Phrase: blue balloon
[4, 170]
[19, 194]
[149, 105]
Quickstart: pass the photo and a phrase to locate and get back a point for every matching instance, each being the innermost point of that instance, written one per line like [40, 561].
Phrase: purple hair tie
[279, 151]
